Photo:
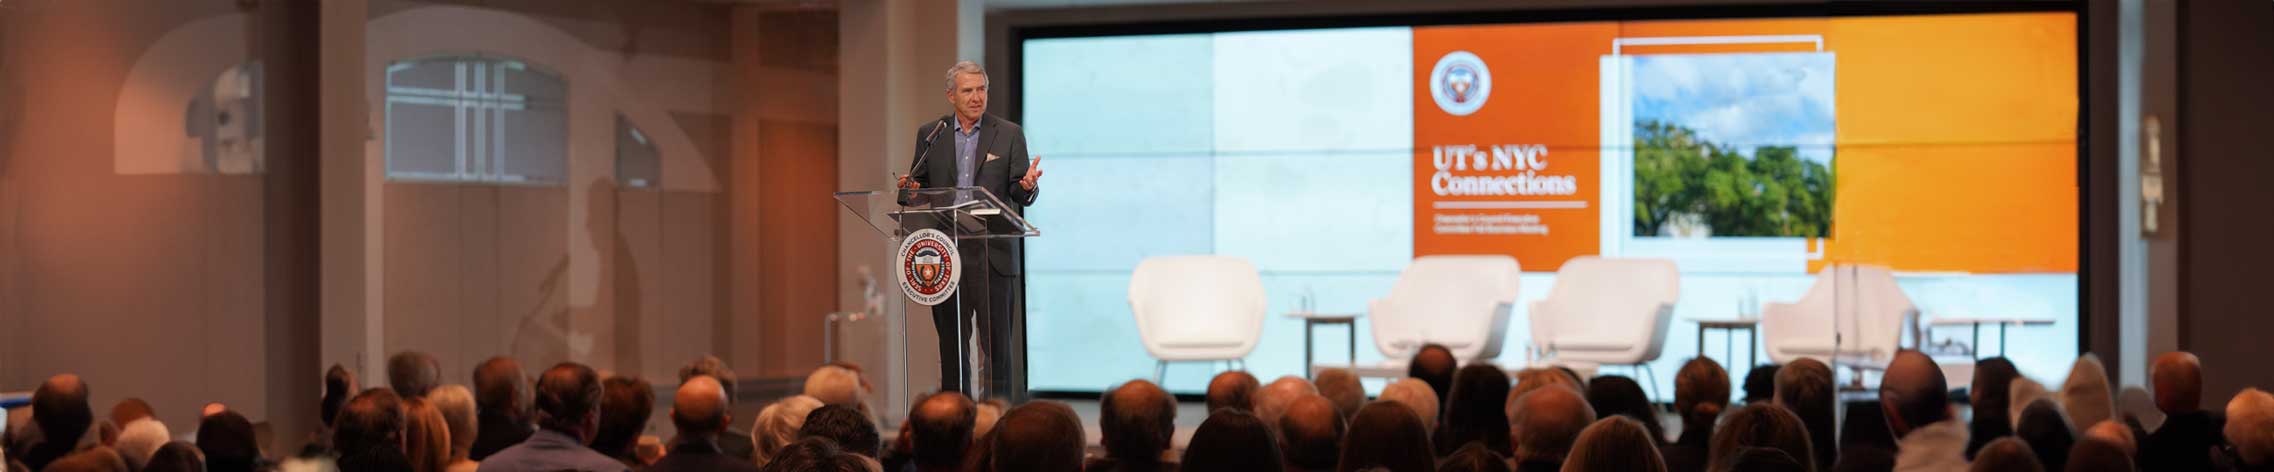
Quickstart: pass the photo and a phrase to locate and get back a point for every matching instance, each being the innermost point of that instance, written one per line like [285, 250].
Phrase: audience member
[177, 456]
[1761, 425]
[1761, 383]
[1763, 459]
[1474, 458]
[2100, 455]
[1231, 440]
[502, 400]
[625, 404]
[2250, 429]
[1040, 436]
[2007, 454]
[127, 411]
[1993, 378]
[369, 436]
[1387, 436]
[2086, 396]
[731, 441]
[568, 416]
[227, 440]
[213, 408]
[1543, 424]
[339, 386]
[426, 436]
[2121, 435]
[1805, 387]
[1616, 443]
[1341, 387]
[1434, 363]
[1916, 400]
[835, 385]
[846, 425]
[1701, 392]
[2047, 431]
[456, 405]
[777, 426]
[1537, 378]
[1275, 397]
[700, 411]
[96, 459]
[60, 409]
[1309, 433]
[989, 411]
[1137, 419]
[1414, 394]
[139, 439]
[2188, 433]
[1866, 443]
[818, 455]
[413, 373]
[1233, 389]
[2024, 392]
[1613, 395]
[941, 427]
[1475, 412]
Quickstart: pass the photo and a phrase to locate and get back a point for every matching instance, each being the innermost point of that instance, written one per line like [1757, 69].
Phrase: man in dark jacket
[700, 412]
[2189, 434]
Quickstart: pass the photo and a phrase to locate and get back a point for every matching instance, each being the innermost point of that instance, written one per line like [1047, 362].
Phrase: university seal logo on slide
[928, 266]
[1460, 83]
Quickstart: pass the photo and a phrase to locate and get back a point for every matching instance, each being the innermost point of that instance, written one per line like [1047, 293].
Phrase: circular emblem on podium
[1460, 83]
[928, 266]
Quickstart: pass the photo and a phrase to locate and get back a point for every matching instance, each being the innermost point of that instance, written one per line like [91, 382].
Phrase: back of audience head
[1475, 410]
[1387, 435]
[2007, 454]
[1233, 389]
[1342, 387]
[1613, 444]
[835, 385]
[128, 411]
[2047, 430]
[847, 426]
[942, 427]
[625, 404]
[456, 405]
[716, 369]
[1763, 459]
[96, 459]
[568, 401]
[426, 436]
[2178, 380]
[2250, 427]
[2087, 395]
[2021, 393]
[989, 411]
[1474, 457]
[778, 424]
[818, 455]
[60, 408]
[1761, 383]
[1701, 392]
[1415, 394]
[339, 384]
[1039, 436]
[1760, 425]
[500, 387]
[1309, 433]
[177, 456]
[699, 408]
[226, 438]
[413, 373]
[1544, 423]
[1275, 397]
[1805, 387]
[2098, 455]
[1913, 392]
[1537, 378]
[1620, 396]
[139, 439]
[1990, 392]
[1231, 440]
[1137, 419]
[2115, 433]
[1434, 363]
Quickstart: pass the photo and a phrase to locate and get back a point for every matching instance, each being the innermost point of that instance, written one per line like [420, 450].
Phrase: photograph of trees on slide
[1733, 145]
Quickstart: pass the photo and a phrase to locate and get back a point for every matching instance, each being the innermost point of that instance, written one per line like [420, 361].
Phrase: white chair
[1462, 302]
[1197, 308]
[1607, 312]
[1853, 316]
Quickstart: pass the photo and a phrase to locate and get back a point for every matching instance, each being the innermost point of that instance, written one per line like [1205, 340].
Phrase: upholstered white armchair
[1462, 302]
[1849, 321]
[1607, 311]
[1197, 308]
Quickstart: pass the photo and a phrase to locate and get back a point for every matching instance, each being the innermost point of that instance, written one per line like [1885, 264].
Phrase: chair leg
[1160, 371]
[1650, 377]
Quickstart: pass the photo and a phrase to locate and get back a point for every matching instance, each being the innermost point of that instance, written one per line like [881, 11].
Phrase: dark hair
[1991, 396]
[713, 367]
[2098, 455]
[1913, 391]
[1701, 392]
[1434, 363]
[1866, 427]
[1761, 383]
[226, 439]
[942, 437]
[1039, 436]
[1620, 396]
[177, 456]
[1233, 389]
[2047, 431]
[60, 409]
[568, 395]
[625, 404]
[2007, 454]
[1231, 440]
[1615, 444]
[844, 425]
[1387, 434]
[499, 386]
[1763, 459]
[1475, 411]
[1138, 420]
[1759, 425]
[1805, 387]
[339, 384]
[1311, 432]
[1473, 457]
[815, 455]
[413, 373]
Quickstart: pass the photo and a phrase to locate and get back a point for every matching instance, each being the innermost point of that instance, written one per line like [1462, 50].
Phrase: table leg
[1353, 325]
[1307, 324]
[1701, 340]
[1975, 349]
[1729, 344]
[2002, 339]
[1753, 340]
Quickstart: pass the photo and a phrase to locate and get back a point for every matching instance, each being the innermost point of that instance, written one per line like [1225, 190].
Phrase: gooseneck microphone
[929, 138]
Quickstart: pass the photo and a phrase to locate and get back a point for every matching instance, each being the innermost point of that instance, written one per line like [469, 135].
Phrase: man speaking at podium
[970, 148]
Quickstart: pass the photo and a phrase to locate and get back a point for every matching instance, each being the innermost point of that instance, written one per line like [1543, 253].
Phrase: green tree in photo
[1679, 176]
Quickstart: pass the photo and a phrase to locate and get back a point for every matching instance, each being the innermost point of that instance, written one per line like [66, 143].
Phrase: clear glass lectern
[978, 222]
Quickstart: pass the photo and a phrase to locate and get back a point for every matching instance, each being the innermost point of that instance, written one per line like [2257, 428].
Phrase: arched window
[476, 119]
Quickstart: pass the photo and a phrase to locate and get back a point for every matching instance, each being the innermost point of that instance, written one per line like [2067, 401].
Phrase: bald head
[700, 409]
[1342, 387]
[1543, 424]
[942, 426]
[1308, 432]
[1277, 396]
[1913, 392]
[60, 408]
[1138, 420]
[2250, 426]
[2178, 378]
[1434, 364]
[1233, 389]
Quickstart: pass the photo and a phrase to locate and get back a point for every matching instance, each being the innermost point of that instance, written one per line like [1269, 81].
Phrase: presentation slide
[1751, 153]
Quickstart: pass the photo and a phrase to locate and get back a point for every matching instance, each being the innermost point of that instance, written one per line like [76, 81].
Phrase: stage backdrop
[1750, 152]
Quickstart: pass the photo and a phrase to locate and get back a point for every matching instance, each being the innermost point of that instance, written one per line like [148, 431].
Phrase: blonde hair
[456, 404]
[2086, 396]
[1415, 394]
[426, 436]
[777, 426]
[835, 385]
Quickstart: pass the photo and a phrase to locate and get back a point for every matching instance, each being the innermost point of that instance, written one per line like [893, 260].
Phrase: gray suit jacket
[1000, 176]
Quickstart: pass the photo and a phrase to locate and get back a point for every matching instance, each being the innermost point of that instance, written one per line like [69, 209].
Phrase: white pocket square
[991, 157]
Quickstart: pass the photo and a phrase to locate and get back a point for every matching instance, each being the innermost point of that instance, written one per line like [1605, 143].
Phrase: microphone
[927, 145]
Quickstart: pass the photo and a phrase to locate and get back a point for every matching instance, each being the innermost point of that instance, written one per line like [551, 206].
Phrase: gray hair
[965, 67]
